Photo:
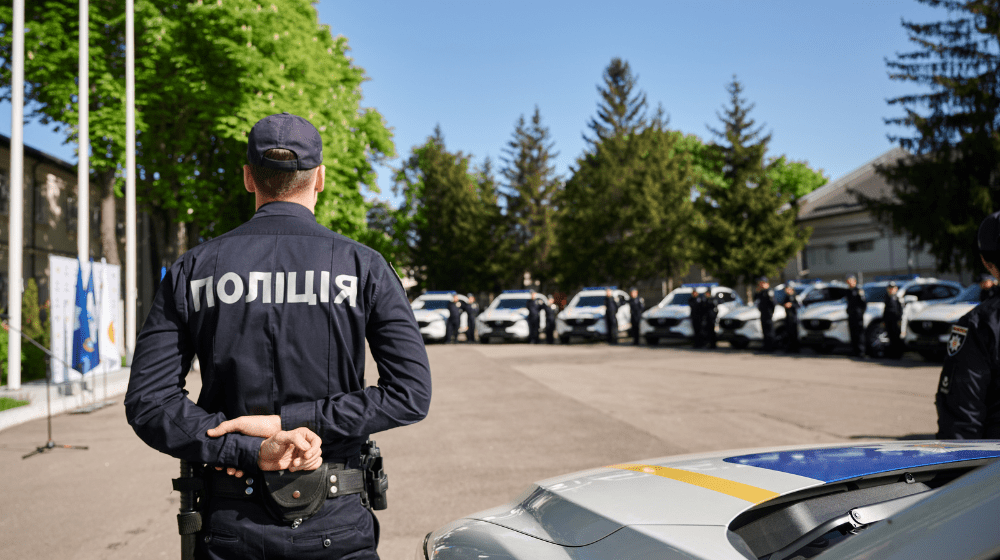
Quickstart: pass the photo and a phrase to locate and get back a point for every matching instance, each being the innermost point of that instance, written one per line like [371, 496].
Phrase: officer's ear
[320, 179]
[248, 183]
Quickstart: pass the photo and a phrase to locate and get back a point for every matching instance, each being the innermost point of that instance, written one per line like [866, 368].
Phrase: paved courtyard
[502, 416]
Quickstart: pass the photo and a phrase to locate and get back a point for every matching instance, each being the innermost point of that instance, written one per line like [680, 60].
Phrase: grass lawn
[8, 403]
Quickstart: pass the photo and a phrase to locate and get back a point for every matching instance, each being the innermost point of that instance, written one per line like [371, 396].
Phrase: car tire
[933, 355]
[739, 343]
[564, 339]
[652, 340]
[876, 341]
[823, 349]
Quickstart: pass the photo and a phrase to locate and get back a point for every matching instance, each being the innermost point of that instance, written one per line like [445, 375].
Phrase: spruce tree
[622, 110]
[942, 193]
[530, 186]
[745, 232]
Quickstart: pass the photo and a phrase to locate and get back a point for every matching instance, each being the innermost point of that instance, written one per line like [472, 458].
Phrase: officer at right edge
[968, 396]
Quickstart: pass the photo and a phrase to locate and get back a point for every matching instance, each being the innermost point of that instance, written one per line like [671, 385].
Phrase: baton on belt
[189, 518]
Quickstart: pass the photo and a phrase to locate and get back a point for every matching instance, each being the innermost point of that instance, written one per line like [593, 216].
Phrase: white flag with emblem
[106, 325]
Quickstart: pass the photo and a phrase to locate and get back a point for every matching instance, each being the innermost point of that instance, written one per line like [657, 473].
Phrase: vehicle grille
[731, 323]
[930, 328]
[500, 324]
[581, 322]
[817, 324]
[665, 322]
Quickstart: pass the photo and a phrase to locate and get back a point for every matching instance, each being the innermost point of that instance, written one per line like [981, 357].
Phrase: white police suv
[507, 316]
[928, 331]
[671, 318]
[741, 325]
[583, 316]
[431, 312]
[824, 327]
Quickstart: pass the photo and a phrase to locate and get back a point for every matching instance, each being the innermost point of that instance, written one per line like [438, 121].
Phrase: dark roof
[837, 197]
[39, 155]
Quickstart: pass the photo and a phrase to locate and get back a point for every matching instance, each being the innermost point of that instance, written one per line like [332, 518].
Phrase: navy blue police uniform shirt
[968, 395]
[277, 312]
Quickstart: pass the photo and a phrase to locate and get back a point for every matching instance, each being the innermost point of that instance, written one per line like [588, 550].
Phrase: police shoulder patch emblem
[957, 339]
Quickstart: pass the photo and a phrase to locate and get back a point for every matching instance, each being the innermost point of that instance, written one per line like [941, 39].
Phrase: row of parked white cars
[930, 307]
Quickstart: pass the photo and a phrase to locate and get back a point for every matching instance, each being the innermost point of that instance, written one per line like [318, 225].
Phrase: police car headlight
[423, 549]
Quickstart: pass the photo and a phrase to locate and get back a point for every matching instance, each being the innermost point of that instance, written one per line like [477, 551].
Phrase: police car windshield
[433, 304]
[875, 294]
[677, 298]
[589, 301]
[512, 303]
[970, 294]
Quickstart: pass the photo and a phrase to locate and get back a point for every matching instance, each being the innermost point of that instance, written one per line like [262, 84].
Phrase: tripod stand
[49, 444]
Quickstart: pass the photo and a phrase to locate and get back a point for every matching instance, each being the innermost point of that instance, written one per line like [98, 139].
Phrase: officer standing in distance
[792, 307]
[709, 316]
[856, 306]
[636, 306]
[987, 287]
[454, 322]
[550, 321]
[968, 395]
[471, 313]
[765, 304]
[697, 305]
[278, 312]
[611, 316]
[892, 320]
[533, 318]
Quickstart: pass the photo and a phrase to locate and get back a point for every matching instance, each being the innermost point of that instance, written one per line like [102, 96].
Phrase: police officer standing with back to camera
[892, 320]
[697, 305]
[471, 313]
[454, 322]
[278, 312]
[550, 321]
[792, 306]
[611, 316]
[765, 304]
[636, 306]
[533, 319]
[968, 395]
[709, 317]
[856, 306]
[987, 287]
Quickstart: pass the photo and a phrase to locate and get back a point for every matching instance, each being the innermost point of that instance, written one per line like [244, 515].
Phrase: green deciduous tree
[448, 219]
[530, 188]
[626, 212]
[205, 72]
[794, 179]
[942, 193]
[747, 229]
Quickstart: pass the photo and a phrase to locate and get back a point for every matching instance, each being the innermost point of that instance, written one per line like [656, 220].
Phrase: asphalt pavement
[502, 416]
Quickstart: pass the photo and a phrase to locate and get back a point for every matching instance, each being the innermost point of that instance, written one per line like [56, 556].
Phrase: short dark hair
[274, 183]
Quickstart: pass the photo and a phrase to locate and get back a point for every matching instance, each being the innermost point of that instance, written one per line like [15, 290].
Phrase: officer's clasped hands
[295, 450]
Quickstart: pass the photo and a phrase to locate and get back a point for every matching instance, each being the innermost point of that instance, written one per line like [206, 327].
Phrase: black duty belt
[339, 481]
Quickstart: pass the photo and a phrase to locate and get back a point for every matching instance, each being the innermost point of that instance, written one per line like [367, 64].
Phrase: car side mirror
[909, 299]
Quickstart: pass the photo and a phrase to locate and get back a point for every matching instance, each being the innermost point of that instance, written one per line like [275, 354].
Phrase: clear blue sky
[815, 70]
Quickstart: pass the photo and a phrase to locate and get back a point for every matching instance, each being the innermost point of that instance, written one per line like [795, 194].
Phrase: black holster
[191, 487]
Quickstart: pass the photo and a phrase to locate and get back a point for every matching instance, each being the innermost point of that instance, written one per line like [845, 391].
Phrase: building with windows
[846, 238]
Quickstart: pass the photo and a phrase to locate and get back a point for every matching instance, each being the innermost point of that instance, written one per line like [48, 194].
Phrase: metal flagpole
[131, 293]
[16, 208]
[83, 140]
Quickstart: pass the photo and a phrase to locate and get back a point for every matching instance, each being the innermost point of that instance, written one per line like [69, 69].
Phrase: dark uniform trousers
[532, 307]
[453, 324]
[697, 321]
[278, 312]
[856, 306]
[968, 395]
[611, 319]
[892, 318]
[765, 304]
[550, 324]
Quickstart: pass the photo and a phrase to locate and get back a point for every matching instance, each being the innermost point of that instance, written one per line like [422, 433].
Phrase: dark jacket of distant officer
[709, 316]
[550, 321]
[697, 305]
[791, 306]
[278, 312]
[611, 316]
[636, 306]
[856, 306]
[471, 309]
[968, 395]
[533, 319]
[892, 320]
[454, 323]
[765, 304]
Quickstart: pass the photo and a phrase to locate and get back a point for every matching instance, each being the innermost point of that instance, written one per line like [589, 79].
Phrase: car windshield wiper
[857, 518]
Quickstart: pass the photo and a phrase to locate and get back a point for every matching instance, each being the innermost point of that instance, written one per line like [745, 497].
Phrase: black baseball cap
[989, 233]
[762, 279]
[289, 132]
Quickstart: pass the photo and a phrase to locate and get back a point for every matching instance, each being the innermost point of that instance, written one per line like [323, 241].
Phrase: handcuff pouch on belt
[295, 496]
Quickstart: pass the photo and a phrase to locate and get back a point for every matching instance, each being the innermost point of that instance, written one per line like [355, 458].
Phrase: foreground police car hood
[671, 507]
[669, 312]
[744, 313]
[837, 311]
[581, 312]
[430, 314]
[947, 312]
